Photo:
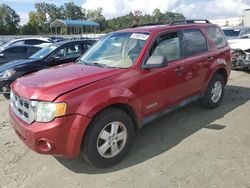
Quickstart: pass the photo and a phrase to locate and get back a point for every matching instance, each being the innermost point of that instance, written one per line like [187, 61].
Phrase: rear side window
[16, 50]
[33, 42]
[216, 35]
[193, 42]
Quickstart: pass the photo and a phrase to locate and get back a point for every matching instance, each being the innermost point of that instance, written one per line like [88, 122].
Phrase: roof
[72, 41]
[157, 28]
[73, 23]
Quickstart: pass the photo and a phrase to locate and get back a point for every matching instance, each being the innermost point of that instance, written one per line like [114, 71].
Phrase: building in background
[247, 17]
[236, 21]
[229, 22]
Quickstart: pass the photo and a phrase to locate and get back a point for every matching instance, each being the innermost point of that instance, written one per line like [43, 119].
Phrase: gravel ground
[191, 147]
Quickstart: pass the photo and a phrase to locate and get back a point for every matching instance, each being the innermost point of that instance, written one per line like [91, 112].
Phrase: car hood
[48, 84]
[243, 44]
[15, 64]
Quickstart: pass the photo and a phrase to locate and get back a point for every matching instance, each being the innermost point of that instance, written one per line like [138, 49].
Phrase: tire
[94, 147]
[7, 96]
[212, 97]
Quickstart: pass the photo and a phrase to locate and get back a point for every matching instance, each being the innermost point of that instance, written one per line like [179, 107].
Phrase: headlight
[47, 111]
[7, 74]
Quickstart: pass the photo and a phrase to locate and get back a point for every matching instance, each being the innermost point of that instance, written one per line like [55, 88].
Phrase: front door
[66, 54]
[166, 86]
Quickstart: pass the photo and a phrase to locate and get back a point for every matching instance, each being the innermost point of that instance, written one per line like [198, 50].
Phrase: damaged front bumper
[240, 59]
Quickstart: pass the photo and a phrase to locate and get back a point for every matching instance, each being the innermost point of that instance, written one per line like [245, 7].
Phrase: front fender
[89, 104]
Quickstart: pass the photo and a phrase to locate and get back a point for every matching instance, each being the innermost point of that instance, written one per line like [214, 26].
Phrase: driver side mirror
[155, 62]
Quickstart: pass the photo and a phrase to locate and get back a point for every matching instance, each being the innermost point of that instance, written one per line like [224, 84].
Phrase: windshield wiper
[94, 64]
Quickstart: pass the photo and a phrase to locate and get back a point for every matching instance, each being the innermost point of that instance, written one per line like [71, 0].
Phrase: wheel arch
[221, 71]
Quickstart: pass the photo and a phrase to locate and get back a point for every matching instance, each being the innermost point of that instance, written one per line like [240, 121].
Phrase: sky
[207, 9]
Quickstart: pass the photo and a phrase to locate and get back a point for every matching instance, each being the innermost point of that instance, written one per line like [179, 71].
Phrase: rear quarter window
[216, 35]
[193, 42]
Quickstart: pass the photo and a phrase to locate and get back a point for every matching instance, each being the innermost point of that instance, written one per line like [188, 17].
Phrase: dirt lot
[191, 147]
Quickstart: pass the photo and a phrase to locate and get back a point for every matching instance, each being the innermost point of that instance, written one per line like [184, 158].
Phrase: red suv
[127, 79]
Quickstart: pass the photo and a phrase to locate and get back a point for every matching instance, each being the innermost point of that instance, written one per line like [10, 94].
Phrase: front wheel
[108, 138]
[7, 96]
[214, 93]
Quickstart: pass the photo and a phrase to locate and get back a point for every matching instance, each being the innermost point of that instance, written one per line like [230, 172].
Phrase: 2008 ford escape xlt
[128, 78]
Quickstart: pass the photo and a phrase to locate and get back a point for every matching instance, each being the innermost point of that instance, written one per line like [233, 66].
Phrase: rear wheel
[214, 93]
[108, 138]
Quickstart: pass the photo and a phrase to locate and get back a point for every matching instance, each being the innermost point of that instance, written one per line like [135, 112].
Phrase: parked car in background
[55, 54]
[246, 36]
[235, 32]
[17, 52]
[26, 41]
[127, 79]
[241, 54]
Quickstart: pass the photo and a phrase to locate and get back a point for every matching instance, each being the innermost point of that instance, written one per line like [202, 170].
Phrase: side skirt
[155, 116]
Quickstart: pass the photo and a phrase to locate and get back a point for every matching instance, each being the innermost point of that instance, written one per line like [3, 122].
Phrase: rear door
[220, 49]
[15, 53]
[197, 59]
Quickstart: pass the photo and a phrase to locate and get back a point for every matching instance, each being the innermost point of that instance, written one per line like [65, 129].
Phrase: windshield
[7, 43]
[44, 52]
[119, 50]
[231, 32]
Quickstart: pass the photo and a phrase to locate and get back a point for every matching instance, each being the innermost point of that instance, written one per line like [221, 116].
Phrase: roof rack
[194, 21]
[177, 22]
[147, 24]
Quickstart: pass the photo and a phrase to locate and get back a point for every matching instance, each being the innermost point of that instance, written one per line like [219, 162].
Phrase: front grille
[22, 108]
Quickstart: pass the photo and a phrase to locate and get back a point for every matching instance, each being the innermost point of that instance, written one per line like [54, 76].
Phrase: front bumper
[5, 86]
[240, 59]
[64, 134]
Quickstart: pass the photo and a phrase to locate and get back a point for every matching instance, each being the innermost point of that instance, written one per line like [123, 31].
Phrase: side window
[16, 50]
[33, 42]
[85, 47]
[193, 42]
[167, 45]
[20, 42]
[216, 35]
[32, 50]
[71, 51]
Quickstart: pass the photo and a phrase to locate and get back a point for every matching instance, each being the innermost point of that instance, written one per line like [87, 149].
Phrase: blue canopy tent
[74, 26]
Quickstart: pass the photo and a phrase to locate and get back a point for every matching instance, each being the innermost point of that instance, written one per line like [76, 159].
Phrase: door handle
[210, 58]
[179, 70]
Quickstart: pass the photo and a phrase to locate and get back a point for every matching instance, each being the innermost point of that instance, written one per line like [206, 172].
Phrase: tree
[9, 20]
[157, 15]
[74, 12]
[135, 16]
[96, 16]
[54, 12]
[32, 27]
[173, 16]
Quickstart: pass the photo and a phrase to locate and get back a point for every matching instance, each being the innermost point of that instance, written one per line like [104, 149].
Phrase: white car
[27, 41]
[241, 53]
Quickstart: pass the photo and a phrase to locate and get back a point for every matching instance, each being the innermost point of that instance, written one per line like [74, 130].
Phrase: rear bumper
[64, 134]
